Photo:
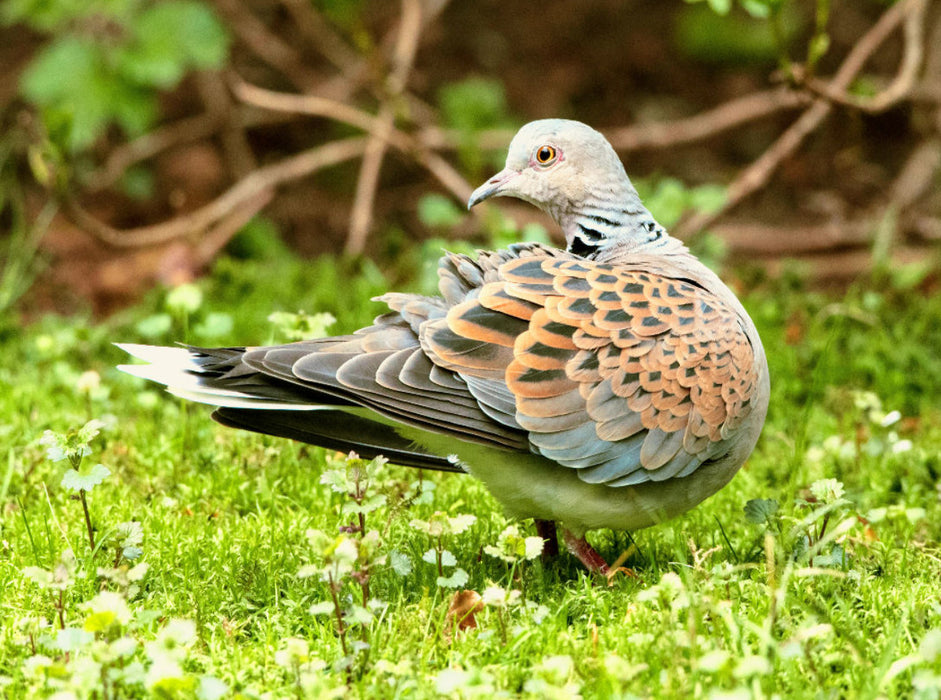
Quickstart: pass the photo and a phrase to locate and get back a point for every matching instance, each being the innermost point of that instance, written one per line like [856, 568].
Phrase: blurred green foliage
[668, 198]
[469, 107]
[727, 37]
[108, 59]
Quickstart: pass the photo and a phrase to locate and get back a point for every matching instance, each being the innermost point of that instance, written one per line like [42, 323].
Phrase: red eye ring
[545, 154]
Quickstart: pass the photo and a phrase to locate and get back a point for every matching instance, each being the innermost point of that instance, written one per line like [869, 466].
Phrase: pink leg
[546, 530]
[585, 552]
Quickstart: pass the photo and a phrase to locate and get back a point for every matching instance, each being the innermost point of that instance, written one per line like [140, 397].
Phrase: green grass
[721, 606]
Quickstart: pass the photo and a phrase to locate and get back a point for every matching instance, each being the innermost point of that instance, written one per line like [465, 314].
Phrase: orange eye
[545, 155]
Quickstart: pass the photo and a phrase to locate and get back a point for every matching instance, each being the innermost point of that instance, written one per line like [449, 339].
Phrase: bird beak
[492, 187]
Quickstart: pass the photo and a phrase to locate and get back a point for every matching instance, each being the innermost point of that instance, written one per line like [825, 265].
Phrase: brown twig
[928, 228]
[267, 45]
[901, 86]
[914, 180]
[217, 238]
[841, 266]
[218, 102]
[169, 136]
[756, 175]
[314, 105]
[758, 238]
[725, 117]
[241, 194]
[917, 176]
[405, 49]
[320, 35]
[359, 74]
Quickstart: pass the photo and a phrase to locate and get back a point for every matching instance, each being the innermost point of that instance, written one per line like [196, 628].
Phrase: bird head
[563, 167]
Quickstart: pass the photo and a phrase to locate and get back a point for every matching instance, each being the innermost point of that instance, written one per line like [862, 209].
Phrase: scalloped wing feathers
[627, 375]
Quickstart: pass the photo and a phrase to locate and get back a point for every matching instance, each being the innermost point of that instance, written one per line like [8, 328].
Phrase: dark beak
[493, 187]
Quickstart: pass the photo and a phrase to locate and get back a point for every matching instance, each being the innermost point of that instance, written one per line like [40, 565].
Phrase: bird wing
[627, 375]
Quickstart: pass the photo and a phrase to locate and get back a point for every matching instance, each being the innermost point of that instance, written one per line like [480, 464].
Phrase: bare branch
[219, 103]
[321, 35]
[901, 86]
[247, 192]
[169, 136]
[915, 179]
[417, 147]
[268, 46]
[756, 175]
[728, 115]
[405, 49]
[917, 176]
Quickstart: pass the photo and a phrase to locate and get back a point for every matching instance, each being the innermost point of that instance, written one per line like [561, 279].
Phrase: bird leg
[546, 530]
[585, 552]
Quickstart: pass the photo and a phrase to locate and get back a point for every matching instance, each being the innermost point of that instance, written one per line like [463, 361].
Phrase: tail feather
[336, 430]
[187, 373]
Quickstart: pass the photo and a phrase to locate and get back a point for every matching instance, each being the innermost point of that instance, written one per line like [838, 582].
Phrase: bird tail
[205, 376]
[247, 400]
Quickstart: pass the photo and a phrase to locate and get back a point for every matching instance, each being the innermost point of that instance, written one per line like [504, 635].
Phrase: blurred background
[145, 143]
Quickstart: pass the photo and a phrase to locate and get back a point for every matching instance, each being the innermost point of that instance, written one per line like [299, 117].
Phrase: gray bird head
[570, 171]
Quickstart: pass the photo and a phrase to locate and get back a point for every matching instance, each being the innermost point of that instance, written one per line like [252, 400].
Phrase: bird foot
[586, 554]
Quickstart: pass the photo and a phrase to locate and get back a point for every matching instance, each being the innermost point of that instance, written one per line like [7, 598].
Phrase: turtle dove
[613, 384]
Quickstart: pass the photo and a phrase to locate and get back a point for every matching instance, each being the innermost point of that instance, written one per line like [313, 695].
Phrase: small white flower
[88, 382]
[296, 651]
[497, 597]
[752, 665]
[163, 669]
[111, 607]
[890, 418]
[901, 446]
[827, 490]
[451, 680]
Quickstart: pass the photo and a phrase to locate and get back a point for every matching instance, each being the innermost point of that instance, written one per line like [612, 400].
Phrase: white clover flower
[88, 382]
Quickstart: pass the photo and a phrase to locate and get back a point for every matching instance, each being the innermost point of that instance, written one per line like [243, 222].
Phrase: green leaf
[471, 106]
[86, 479]
[536, 233]
[68, 77]
[668, 201]
[760, 510]
[211, 688]
[56, 15]
[720, 7]
[438, 211]
[75, 83]
[457, 579]
[708, 198]
[817, 48]
[154, 326]
[731, 38]
[171, 38]
[759, 9]
[827, 490]
[130, 534]
[89, 431]
[401, 563]
[358, 615]
[474, 104]
[430, 556]
[302, 326]
[72, 639]
[215, 325]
